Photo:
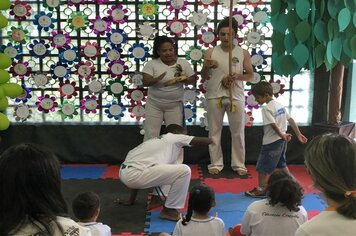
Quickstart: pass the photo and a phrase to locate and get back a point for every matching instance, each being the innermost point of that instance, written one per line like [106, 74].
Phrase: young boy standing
[275, 137]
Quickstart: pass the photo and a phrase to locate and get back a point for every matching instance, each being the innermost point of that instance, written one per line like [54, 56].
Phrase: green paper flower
[116, 87]
[68, 110]
[195, 54]
[78, 21]
[148, 9]
[18, 34]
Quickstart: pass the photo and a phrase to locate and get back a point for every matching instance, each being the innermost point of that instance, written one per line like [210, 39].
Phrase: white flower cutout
[199, 19]
[190, 96]
[147, 31]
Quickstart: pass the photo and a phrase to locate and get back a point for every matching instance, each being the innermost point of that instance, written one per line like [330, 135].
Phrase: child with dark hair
[31, 201]
[281, 213]
[275, 137]
[86, 208]
[331, 162]
[197, 220]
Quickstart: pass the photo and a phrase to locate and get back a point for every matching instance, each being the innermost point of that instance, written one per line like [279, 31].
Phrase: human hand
[176, 80]
[160, 77]
[213, 64]
[227, 82]
[287, 137]
[302, 138]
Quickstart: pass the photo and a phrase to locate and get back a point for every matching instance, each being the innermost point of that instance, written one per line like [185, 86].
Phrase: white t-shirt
[166, 94]
[261, 218]
[276, 113]
[97, 228]
[162, 150]
[214, 86]
[212, 226]
[328, 223]
[70, 228]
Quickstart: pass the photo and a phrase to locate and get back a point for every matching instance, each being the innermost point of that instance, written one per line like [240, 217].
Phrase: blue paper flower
[69, 55]
[60, 71]
[258, 59]
[44, 21]
[115, 110]
[112, 53]
[25, 96]
[116, 37]
[190, 113]
[39, 48]
[13, 51]
[139, 52]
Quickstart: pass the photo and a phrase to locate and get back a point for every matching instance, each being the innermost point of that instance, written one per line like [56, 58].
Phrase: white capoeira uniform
[213, 226]
[218, 103]
[153, 163]
[164, 103]
[97, 228]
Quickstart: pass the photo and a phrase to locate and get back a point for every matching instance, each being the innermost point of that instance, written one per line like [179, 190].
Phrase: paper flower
[25, 96]
[139, 52]
[248, 118]
[39, 48]
[137, 111]
[51, 4]
[20, 69]
[199, 19]
[226, 3]
[177, 26]
[147, 30]
[100, 26]
[116, 87]
[254, 37]
[40, 80]
[112, 53]
[115, 110]
[22, 112]
[60, 71]
[89, 104]
[68, 110]
[207, 3]
[204, 121]
[118, 14]
[195, 54]
[90, 50]
[46, 103]
[13, 51]
[250, 101]
[95, 86]
[69, 55]
[278, 87]
[117, 68]
[190, 113]
[207, 37]
[190, 96]
[240, 18]
[136, 79]
[177, 5]
[20, 10]
[116, 37]
[85, 70]
[100, 1]
[59, 39]
[44, 21]
[203, 85]
[78, 21]
[74, 2]
[136, 96]
[258, 59]
[18, 34]
[148, 9]
[254, 3]
[257, 77]
[68, 89]
[261, 16]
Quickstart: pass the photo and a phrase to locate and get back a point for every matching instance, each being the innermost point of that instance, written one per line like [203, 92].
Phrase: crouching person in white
[154, 163]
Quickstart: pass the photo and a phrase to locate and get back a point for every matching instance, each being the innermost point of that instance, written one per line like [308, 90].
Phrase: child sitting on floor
[198, 221]
[281, 213]
[86, 208]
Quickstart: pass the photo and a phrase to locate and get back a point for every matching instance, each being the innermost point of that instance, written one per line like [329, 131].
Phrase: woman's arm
[149, 80]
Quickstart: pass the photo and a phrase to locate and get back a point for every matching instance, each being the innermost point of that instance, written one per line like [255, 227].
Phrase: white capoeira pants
[237, 128]
[176, 176]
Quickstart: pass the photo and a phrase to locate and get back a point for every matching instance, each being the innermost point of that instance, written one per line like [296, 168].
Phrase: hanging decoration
[190, 113]
[69, 55]
[40, 80]
[257, 77]
[139, 52]
[278, 87]
[117, 69]
[261, 16]
[78, 21]
[46, 103]
[20, 69]
[248, 118]
[190, 96]
[115, 110]
[147, 30]
[18, 34]
[13, 51]
[22, 112]
[59, 39]
[250, 101]
[112, 53]
[207, 3]
[137, 111]
[240, 18]
[199, 19]
[68, 109]
[60, 71]
[258, 59]
[89, 104]
[39, 48]
[44, 21]
[51, 4]
[177, 5]
[90, 50]
[177, 26]
[254, 37]
[136, 96]
[116, 87]
[25, 96]
[95, 86]
[68, 89]
[118, 14]
[20, 10]
[207, 37]
[74, 2]
[100, 26]
[195, 54]
[148, 9]
[116, 37]
[85, 70]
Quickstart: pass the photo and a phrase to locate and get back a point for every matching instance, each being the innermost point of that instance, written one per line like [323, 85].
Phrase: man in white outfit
[154, 163]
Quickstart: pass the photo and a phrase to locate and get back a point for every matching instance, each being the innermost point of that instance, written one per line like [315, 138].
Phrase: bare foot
[169, 214]
[155, 202]
[241, 172]
[214, 171]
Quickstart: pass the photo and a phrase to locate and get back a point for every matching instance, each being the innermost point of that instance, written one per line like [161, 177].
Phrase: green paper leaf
[320, 31]
[354, 19]
[291, 4]
[278, 42]
[302, 31]
[350, 4]
[276, 64]
[280, 24]
[346, 48]
[334, 7]
[288, 65]
[275, 7]
[289, 42]
[292, 20]
[330, 28]
[301, 54]
[345, 60]
[303, 9]
[344, 19]
[322, 7]
[319, 54]
[336, 48]
[329, 54]
[353, 46]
